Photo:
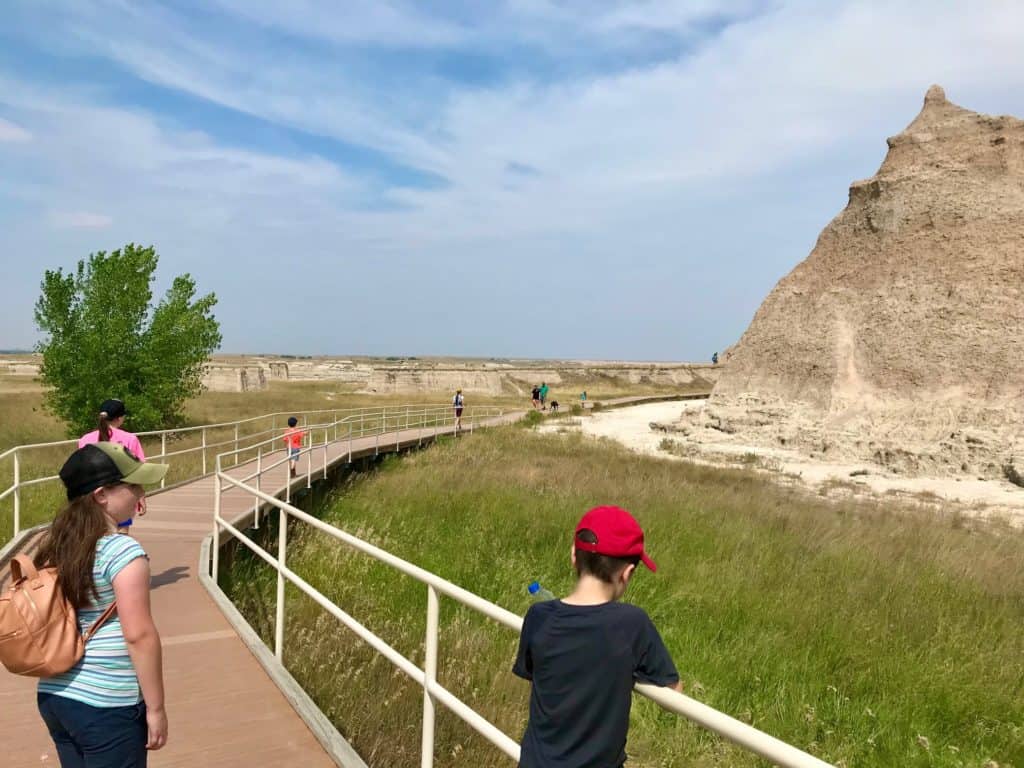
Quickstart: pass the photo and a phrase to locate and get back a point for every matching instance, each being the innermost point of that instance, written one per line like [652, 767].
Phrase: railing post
[429, 676]
[236, 443]
[325, 452]
[350, 443]
[204, 451]
[259, 476]
[282, 546]
[216, 522]
[163, 455]
[309, 464]
[17, 493]
[288, 477]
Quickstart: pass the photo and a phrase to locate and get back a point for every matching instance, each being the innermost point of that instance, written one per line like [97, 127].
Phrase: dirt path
[631, 427]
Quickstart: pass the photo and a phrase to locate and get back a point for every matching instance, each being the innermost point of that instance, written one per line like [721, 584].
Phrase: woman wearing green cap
[108, 709]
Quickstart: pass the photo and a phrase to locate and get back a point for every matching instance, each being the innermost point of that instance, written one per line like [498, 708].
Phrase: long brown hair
[70, 547]
[104, 427]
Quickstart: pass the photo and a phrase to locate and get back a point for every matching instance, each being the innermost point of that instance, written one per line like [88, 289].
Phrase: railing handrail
[739, 733]
[204, 448]
[478, 411]
[247, 420]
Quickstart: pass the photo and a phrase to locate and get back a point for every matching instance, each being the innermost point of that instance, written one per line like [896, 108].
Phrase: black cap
[292, 421]
[98, 464]
[113, 408]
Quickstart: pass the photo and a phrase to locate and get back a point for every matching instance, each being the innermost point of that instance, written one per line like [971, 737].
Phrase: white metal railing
[739, 733]
[241, 434]
[414, 422]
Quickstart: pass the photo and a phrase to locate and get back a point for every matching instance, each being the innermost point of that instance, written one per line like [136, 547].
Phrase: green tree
[105, 339]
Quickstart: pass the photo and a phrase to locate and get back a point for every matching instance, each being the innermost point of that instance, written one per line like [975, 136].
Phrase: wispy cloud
[572, 134]
[521, 169]
[381, 22]
[81, 220]
[11, 132]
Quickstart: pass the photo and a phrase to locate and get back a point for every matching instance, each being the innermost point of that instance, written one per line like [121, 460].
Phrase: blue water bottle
[538, 593]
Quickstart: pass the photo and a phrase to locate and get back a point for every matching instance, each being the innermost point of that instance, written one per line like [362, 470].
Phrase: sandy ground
[631, 427]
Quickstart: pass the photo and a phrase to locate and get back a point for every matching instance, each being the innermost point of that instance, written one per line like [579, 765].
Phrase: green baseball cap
[106, 463]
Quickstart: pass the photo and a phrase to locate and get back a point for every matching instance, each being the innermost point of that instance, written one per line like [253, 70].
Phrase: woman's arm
[136, 448]
[131, 589]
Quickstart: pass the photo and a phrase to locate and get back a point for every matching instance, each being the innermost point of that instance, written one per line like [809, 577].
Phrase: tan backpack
[39, 634]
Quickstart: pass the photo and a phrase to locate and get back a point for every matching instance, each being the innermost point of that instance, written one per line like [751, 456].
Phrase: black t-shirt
[582, 661]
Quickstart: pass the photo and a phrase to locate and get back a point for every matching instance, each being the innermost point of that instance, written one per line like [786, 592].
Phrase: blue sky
[620, 179]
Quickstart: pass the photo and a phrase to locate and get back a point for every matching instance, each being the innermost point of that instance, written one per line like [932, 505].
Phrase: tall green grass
[870, 636]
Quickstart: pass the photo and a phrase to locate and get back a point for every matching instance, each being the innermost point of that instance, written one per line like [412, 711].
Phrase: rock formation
[901, 337]
[371, 376]
[234, 378]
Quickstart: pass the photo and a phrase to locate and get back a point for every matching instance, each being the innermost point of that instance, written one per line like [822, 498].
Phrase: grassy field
[24, 420]
[868, 636]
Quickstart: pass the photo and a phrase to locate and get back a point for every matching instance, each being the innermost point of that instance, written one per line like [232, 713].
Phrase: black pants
[95, 737]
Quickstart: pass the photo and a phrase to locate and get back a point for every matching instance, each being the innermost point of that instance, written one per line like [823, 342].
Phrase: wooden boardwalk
[223, 709]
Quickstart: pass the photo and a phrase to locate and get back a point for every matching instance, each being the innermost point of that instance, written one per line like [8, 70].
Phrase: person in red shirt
[293, 441]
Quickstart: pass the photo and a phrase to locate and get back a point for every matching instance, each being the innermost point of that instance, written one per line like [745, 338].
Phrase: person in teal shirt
[543, 396]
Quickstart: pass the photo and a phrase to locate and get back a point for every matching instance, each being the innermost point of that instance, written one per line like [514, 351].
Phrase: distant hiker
[111, 417]
[714, 359]
[535, 394]
[293, 441]
[583, 653]
[457, 403]
[543, 395]
[583, 400]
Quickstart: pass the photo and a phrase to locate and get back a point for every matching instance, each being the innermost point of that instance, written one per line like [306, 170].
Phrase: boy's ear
[627, 573]
[572, 555]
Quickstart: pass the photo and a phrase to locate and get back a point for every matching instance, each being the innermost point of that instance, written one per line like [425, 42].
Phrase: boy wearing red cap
[583, 653]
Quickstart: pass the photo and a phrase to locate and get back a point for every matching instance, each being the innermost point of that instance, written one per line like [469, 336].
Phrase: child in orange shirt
[293, 440]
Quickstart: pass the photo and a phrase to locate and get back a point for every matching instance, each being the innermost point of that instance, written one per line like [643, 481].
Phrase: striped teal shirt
[104, 677]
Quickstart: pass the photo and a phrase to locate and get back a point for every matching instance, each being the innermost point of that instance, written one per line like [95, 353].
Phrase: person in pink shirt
[112, 416]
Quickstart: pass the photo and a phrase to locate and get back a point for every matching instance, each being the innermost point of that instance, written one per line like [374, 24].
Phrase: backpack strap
[22, 567]
[111, 610]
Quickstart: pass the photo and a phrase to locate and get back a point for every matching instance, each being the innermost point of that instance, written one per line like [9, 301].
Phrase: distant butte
[900, 338]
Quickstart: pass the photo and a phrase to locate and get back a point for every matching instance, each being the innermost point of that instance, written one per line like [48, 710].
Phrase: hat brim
[648, 562]
[146, 474]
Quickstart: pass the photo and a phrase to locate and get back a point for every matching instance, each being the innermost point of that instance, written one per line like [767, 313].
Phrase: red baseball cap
[618, 534]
